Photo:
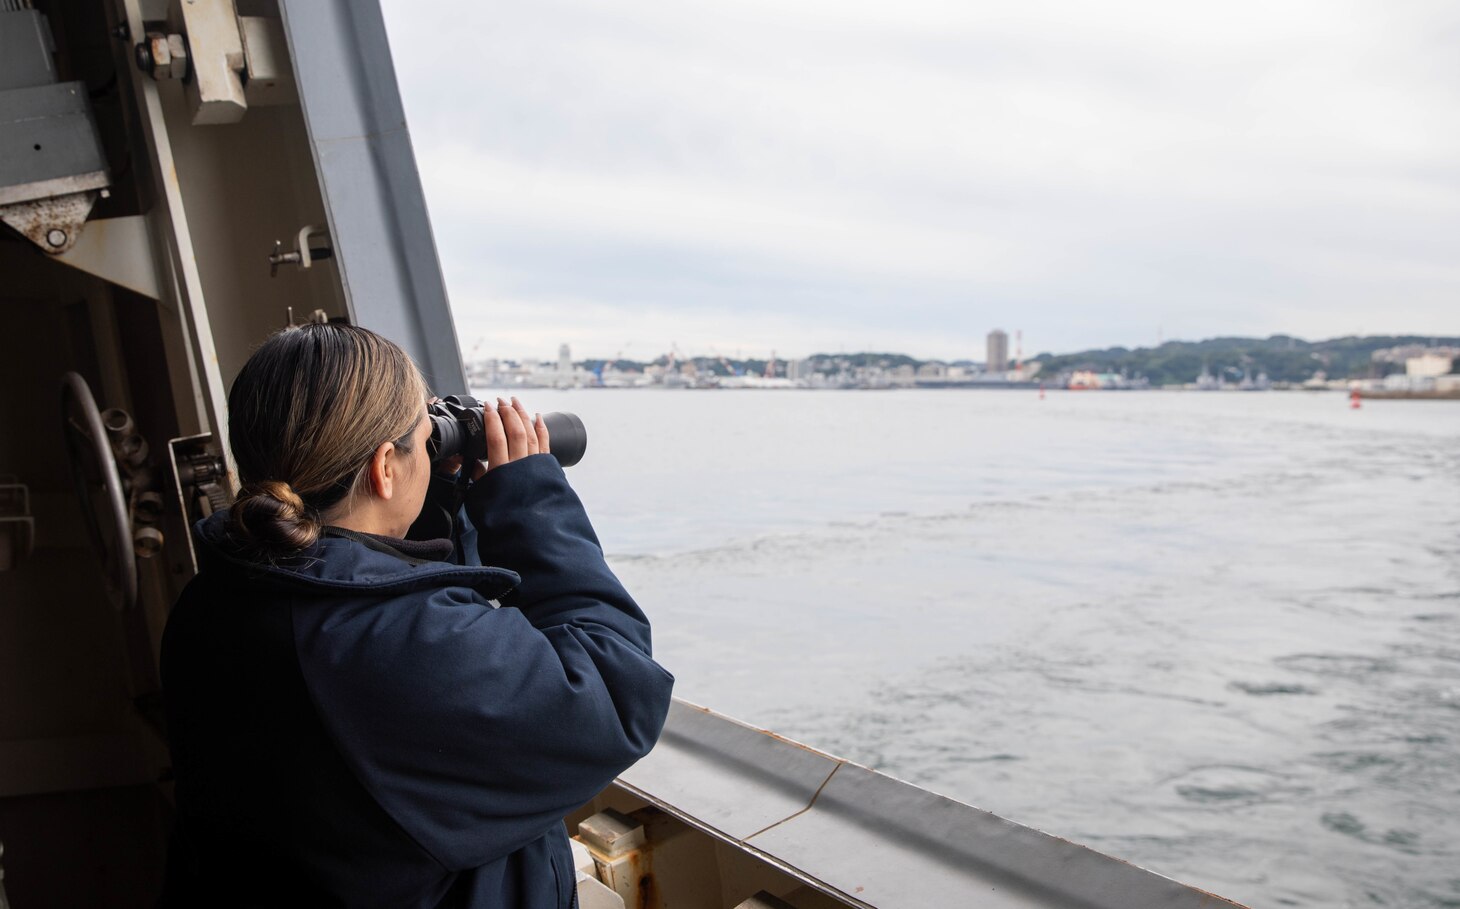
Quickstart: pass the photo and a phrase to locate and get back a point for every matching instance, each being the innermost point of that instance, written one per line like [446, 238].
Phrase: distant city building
[932, 370]
[565, 360]
[1428, 365]
[998, 351]
[1401, 355]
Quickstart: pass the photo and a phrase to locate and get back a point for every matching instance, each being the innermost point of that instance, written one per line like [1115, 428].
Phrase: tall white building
[565, 360]
[998, 352]
[1428, 365]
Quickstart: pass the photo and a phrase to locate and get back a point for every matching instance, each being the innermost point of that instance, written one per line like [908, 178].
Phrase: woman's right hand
[512, 434]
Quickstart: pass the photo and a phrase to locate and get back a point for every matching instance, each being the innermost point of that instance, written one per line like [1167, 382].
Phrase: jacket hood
[340, 565]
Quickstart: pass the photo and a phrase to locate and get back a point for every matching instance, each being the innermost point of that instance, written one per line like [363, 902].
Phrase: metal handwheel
[99, 488]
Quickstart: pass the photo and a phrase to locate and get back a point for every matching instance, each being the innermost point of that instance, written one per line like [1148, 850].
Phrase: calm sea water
[1214, 634]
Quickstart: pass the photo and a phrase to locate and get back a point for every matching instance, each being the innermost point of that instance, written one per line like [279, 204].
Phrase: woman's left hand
[512, 434]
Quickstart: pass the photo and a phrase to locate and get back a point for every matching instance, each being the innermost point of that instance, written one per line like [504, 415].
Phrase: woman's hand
[449, 467]
[512, 434]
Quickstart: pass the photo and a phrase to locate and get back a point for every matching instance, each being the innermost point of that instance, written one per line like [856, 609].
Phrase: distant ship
[1089, 380]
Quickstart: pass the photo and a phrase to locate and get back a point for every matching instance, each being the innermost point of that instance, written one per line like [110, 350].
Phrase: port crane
[725, 362]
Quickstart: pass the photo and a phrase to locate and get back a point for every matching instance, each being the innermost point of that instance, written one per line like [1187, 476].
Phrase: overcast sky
[823, 175]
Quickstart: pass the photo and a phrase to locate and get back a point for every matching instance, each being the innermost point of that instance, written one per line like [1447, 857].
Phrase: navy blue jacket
[357, 726]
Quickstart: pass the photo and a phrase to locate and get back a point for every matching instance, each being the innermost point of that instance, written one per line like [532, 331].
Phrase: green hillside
[1283, 358]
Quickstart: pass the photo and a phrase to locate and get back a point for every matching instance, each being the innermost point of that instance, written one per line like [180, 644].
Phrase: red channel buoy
[1355, 401]
[1041, 391]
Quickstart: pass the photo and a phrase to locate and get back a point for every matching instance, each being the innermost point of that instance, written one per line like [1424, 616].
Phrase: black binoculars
[457, 429]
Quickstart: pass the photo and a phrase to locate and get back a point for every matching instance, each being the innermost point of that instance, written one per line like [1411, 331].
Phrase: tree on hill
[1282, 358]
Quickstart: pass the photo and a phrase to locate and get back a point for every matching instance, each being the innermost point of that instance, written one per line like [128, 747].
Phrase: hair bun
[270, 516]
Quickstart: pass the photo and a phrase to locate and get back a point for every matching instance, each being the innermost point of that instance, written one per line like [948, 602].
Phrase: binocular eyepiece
[457, 429]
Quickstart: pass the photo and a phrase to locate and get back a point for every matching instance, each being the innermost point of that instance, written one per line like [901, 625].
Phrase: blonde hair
[305, 415]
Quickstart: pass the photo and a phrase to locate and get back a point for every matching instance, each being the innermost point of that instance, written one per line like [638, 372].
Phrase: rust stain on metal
[1209, 898]
[804, 747]
[52, 224]
[639, 869]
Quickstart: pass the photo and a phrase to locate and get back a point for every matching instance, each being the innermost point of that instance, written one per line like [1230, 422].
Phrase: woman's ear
[385, 466]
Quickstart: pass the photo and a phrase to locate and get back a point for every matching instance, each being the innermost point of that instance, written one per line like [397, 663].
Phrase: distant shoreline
[1411, 395]
[992, 386]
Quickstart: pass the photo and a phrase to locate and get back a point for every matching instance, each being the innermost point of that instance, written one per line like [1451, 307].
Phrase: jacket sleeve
[476, 728]
[529, 520]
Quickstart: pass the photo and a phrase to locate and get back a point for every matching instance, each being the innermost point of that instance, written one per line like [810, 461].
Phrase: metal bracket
[266, 55]
[227, 61]
[53, 224]
[202, 46]
[318, 317]
[302, 255]
[119, 250]
[199, 479]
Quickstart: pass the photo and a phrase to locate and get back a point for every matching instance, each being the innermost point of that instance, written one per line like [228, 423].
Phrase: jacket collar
[416, 552]
[342, 563]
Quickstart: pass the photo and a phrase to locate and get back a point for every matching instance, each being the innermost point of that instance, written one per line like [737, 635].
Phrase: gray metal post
[367, 172]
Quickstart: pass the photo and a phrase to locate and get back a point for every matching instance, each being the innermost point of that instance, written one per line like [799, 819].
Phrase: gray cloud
[813, 174]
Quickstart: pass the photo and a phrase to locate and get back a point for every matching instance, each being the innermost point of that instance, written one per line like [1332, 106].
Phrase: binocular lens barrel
[457, 429]
[567, 437]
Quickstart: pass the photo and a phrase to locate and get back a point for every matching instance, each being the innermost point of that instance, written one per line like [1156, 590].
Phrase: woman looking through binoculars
[360, 719]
